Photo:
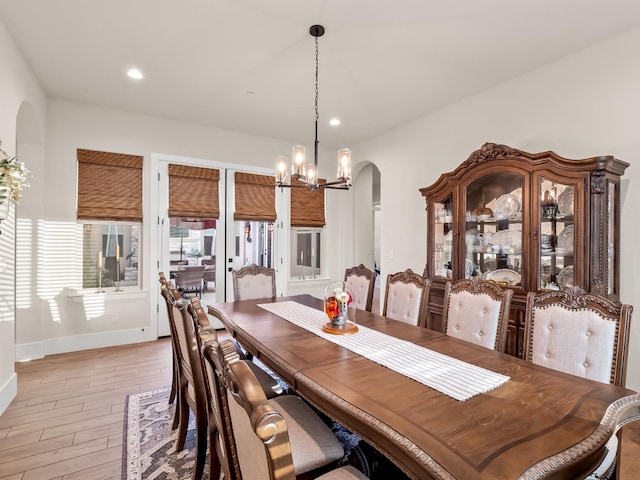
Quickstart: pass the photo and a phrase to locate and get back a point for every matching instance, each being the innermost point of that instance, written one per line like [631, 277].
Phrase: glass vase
[338, 304]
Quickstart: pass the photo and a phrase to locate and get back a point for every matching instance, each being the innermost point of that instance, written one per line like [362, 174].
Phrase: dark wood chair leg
[176, 415]
[215, 467]
[174, 381]
[183, 423]
[201, 447]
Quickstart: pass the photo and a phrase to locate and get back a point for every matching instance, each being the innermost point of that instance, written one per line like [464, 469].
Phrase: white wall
[584, 105]
[19, 92]
[56, 319]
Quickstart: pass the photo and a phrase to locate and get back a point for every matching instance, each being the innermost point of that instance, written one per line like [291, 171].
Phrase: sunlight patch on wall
[93, 305]
[7, 227]
[55, 313]
[24, 280]
[59, 262]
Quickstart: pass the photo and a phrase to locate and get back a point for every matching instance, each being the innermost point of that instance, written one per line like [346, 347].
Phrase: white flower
[13, 173]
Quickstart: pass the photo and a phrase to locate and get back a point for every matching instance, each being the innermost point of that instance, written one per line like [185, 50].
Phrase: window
[110, 257]
[110, 212]
[306, 248]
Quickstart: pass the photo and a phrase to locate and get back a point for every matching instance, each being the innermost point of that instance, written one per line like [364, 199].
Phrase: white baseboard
[8, 392]
[52, 346]
[30, 351]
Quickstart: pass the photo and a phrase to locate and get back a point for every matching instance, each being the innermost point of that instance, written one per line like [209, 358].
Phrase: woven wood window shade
[109, 186]
[255, 197]
[193, 192]
[307, 208]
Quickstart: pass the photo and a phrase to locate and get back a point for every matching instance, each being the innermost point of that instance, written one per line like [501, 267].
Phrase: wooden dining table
[541, 423]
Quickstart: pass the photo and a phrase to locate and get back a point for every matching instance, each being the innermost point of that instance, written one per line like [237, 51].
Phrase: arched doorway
[366, 214]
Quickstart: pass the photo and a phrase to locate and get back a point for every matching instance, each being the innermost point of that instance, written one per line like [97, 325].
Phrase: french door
[222, 244]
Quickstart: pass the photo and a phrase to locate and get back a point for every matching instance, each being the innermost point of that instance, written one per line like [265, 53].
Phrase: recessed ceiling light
[334, 122]
[135, 73]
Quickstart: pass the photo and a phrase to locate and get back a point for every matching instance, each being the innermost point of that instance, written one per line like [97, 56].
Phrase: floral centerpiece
[13, 178]
[336, 302]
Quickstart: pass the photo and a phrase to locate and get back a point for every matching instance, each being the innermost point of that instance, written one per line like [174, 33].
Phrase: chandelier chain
[317, 116]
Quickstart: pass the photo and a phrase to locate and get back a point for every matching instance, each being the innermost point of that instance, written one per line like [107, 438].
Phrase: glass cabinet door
[443, 239]
[493, 228]
[557, 239]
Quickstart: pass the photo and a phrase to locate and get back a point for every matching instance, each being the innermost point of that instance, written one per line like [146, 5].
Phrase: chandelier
[307, 175]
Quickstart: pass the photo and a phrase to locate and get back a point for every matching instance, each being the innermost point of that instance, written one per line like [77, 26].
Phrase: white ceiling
[382, 63]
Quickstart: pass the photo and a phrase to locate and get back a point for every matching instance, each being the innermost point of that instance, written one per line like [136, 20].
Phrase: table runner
[453, 377]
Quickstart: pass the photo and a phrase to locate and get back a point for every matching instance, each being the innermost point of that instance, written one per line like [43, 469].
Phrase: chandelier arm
[337, 183]
[289, 185]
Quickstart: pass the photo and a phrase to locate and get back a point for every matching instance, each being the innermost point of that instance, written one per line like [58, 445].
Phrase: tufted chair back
[254, 282]
[406, 296]
[361, 283]
[578, 333]
[477, 311]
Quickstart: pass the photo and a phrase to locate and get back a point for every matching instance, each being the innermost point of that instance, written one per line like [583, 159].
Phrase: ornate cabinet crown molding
[490, 151]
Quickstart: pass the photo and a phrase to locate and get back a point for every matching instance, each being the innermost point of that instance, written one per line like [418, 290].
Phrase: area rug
[149, 443]
[148, 450]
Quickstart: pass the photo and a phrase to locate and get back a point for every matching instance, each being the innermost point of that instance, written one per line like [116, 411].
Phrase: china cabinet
[528, 221]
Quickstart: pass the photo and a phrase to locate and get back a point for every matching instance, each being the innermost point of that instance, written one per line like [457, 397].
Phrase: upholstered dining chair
[191, 388]
[271, 386]
[582, 334]
[222, 452]
[268, 434]
[209, 271]
[190, 280]
[361, 283]
[167, 284]
[406, 296]
[579, 333]
[316, 445]
[477, 311]
[254, 281]
[222, 449]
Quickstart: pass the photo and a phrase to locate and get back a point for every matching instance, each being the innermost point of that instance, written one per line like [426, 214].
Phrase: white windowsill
[109, 295]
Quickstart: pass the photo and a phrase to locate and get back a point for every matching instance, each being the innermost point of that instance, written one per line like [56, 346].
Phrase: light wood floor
[67, 420]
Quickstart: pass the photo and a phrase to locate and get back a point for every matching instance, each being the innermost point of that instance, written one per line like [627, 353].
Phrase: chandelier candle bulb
[281, 169]
[311, 174]
[344, 164]
[297, 167]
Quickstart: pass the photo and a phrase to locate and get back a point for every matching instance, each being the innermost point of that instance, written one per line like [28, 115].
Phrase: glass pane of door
[443, 237]
[192, 242]
[556, 235]
[254, 243]
[493, 228]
